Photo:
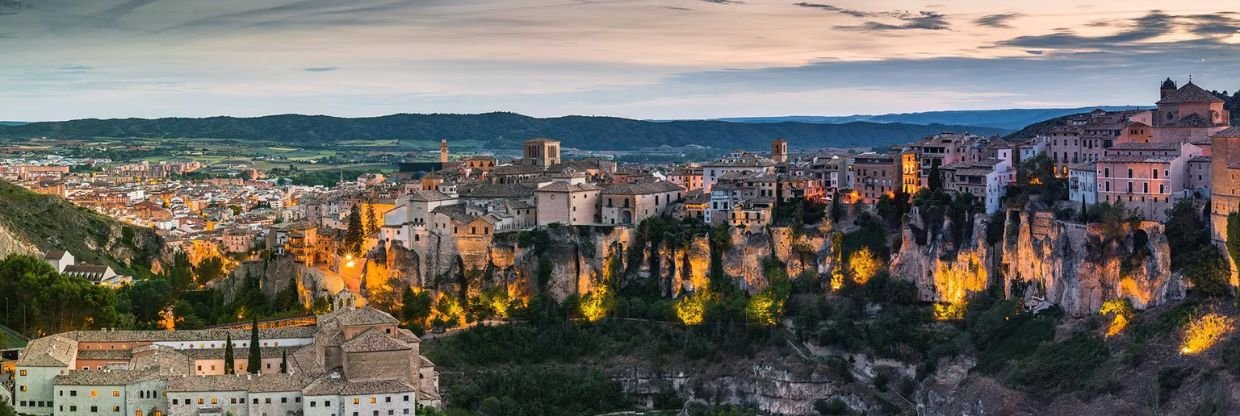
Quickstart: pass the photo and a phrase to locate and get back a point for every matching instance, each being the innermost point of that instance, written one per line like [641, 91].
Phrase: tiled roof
[54, 254]
[104, 355]
[642, 188]
[328, 386]
[1136, 159]
[52, 351]
[516, 170]
[374, 340]
[427, 196]
[567, 187]
[1190, 93]
[364, 316]
[1230, 132]
[104, 377]
[495, 190]
[1146, 146]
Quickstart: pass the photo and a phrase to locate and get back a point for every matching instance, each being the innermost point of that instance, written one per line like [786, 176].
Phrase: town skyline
[687, 59]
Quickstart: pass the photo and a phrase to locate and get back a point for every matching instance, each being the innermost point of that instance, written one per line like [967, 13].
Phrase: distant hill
[33, 224]
[11, 123]
[499, 130]
[1010, 119]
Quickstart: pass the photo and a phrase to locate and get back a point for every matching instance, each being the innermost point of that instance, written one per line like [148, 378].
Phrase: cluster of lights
[1204, 332]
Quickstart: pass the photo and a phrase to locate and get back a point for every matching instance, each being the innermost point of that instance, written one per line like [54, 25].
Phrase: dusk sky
[66, 59]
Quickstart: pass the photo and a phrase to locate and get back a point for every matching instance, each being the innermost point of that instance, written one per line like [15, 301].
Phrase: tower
[443, 151]
[1167, 88]
[542, 152]
[779, 151]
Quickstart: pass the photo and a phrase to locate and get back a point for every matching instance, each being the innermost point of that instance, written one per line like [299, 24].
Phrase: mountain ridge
[1008, 119]
[497, 130]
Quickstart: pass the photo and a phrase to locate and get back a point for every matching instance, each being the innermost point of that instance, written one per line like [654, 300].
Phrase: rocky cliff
[1076, 266]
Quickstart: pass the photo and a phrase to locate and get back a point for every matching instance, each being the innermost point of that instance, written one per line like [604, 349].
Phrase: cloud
[1000, 20]
[76, 68]
[927, 20]
[724, 1]
[12, 6]
[1134, 32]
[840, 10]
[320, 69]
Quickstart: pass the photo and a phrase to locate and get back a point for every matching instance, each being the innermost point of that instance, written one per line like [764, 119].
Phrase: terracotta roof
[1190, 93]
[328, 386]
[1146, 146]
[104, 377]
[541, 140]
[54, 254]
[426, 196]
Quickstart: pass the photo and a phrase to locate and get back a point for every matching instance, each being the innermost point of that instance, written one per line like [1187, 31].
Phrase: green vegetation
[254, 363]
[1192, 251]
[498, 130]
[51, 223]
[534, 391]
[38, 300]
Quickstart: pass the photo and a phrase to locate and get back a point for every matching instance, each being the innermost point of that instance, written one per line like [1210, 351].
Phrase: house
[629, 204]
[1148, 177]
[567, 202]
[59, 259]
[734, 163]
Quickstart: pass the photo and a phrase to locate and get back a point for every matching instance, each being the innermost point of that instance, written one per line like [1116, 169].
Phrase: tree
[255, 363]
[354, 235]
[415, 307]
[6, 409]
[837, 211]
[283, 362]
[208, 270]
[864, 265]
[372, 222]
[229, 361]
[935, 180]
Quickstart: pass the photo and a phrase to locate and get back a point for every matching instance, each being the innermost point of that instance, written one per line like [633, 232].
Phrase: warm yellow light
[837, 280]
[1206, 331]
[594, 305]
[864, 265]
[350, 263]
[1121, 312]
[691, 310]
[764, 308]
[950, 311]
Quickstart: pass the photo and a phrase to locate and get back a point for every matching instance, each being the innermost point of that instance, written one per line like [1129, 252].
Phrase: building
[735, 162]
[1225, 177]
[875, 175]
[910, 172]
[408, 222]
[443, 151]
[59, 259]
[938, 150]
[629, 204]
[689, 178]
[985, 179]
[353, 361]
[1188, 114]
[568, 203]
[743, 199]
[1148, 177]
[779, 151]
[541, 152]
[1083, 183]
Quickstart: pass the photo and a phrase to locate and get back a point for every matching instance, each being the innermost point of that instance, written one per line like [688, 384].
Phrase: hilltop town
[1075, 221]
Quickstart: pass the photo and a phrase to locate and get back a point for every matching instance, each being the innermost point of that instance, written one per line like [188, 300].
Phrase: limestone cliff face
[770, 386]
[941, 270]
[1079, 266]
[12, 243]
[1073, 265]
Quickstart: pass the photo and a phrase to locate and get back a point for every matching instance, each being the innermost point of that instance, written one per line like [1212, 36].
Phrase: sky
[659, 59]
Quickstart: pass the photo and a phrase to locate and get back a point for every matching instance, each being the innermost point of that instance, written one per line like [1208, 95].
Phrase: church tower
[779, 151]
[1167, 88]
[443, 151]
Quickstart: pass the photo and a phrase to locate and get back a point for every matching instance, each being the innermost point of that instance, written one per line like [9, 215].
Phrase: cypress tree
[354, 235]
[229, 366]
[283, 362]
[255, 364]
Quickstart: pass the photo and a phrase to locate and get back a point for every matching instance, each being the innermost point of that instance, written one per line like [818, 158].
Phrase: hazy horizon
[674, 59]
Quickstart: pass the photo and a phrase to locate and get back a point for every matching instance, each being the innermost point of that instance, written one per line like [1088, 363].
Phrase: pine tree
[283, 362]
[935, 181]
[354, 234]
[837, 211]
[372, 222]
[255, 364]
[229, 361]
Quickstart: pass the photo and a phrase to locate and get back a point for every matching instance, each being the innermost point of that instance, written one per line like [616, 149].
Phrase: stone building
[353, 361]
[733, 163]
[568, 203]
[629, 204]
[1188, 114]
[541, 152]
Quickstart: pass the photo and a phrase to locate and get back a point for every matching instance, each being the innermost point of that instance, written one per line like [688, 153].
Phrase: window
[22, 373]
[116, 393]
[357, 400]
[373, 400]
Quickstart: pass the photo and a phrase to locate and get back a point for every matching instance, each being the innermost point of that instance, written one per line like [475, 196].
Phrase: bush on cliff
[1192, 251]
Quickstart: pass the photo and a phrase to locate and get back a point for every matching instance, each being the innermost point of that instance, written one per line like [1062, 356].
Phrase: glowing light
[350, 263]
[765, 308]
[1121, 311]
[1206, 331]
[837, 280]
[864, 265]
[594, 305]
[691, 310]
[950, 311]
[500, 305]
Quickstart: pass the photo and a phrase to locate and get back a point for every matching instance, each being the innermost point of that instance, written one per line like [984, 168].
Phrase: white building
[1083, 183]
[568, 203]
